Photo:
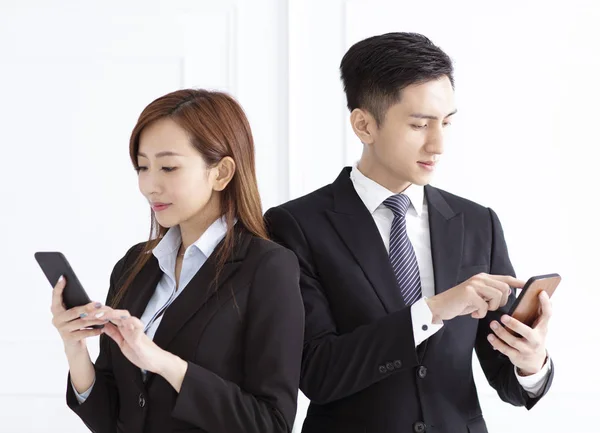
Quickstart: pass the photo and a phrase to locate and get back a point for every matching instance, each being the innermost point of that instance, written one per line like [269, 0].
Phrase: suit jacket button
[422, 372]
[389, 366]
[419, 427]
[397, 363]
[142, 400]
[382, 369]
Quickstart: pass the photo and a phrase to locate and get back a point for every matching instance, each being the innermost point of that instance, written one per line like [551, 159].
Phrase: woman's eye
[166, 169]
[419, 126]
[447, 124]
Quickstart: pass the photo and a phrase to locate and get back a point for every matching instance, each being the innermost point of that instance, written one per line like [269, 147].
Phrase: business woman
[203, 323]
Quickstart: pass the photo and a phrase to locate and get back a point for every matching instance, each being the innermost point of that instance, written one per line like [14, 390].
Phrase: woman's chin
[166, 222]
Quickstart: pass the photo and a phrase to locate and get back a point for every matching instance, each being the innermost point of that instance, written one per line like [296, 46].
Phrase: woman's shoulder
[134, 251]
[272, 263]
[127, 260]
[262, 246]
[267, 252]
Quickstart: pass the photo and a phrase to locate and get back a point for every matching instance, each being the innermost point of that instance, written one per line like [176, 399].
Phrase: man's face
[410, 139]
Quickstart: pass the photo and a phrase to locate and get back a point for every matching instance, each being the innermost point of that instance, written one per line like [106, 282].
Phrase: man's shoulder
[460, 204]
[315, 201]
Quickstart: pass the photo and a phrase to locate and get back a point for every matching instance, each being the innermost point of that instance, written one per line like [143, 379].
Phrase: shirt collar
[373, 194]
[206, 244]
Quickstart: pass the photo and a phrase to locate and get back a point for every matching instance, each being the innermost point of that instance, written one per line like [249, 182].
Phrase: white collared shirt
[194, 257]
[373, 195]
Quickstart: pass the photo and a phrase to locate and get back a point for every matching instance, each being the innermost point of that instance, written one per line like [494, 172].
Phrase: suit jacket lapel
[137, 297]
[142, 288]
[355, 225]
[446, 228]
[200, 289]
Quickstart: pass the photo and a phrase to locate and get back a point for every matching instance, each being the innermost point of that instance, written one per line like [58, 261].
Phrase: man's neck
[378, 174]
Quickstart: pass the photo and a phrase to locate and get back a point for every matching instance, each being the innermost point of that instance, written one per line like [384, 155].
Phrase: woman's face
[173, 176]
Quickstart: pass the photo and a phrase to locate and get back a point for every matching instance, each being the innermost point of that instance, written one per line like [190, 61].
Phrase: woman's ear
[223, 173]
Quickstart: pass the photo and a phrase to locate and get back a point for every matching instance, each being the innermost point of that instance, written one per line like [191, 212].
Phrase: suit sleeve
[498, 369]
[334, 365]
[266, 400]
[100, 409]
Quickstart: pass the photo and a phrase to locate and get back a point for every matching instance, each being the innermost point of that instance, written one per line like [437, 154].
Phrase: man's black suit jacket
[360, 367]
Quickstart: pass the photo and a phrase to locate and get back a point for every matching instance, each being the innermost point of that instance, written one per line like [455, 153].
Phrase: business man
[401, 280]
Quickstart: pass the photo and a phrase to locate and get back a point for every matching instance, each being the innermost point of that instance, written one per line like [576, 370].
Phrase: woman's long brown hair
[217, 127]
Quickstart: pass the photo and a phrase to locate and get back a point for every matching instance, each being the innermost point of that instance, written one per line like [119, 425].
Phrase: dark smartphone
[526, 307]
[55, 264]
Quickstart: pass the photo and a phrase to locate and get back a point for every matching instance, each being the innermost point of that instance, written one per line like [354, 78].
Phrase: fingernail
[82, 315]
[505, 319]
[98, 305]
[61, 278]
[100, 314]
[494, 325]
[491, 337]
[124, 317]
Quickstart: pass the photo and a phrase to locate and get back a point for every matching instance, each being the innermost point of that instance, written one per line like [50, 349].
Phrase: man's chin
[421, 180]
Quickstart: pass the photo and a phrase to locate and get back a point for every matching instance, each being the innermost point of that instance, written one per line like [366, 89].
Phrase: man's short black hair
[375, 70]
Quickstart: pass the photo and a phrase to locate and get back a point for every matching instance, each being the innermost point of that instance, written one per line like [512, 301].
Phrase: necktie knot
[398, 204]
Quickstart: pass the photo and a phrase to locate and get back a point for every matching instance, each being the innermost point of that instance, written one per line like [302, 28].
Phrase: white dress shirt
[167, 291]
[373, 195]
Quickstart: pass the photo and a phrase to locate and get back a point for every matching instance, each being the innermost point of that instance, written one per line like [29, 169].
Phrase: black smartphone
[55, 264]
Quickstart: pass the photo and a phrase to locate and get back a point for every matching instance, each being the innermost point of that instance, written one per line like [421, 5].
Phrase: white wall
[75, 75]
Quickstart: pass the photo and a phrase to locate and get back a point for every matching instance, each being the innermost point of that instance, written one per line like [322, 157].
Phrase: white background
[74, 76]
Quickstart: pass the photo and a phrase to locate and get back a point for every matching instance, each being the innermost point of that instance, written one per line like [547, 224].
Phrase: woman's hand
[128, 332]
[73, 324]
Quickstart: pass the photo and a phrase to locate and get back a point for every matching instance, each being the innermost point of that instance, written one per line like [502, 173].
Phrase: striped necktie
[402, 255]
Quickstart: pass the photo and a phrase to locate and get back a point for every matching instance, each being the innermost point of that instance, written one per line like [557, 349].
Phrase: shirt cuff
[84, 395]
[534, 384]
[422, 321]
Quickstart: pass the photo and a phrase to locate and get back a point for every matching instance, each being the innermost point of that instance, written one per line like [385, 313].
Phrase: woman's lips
[157, 207]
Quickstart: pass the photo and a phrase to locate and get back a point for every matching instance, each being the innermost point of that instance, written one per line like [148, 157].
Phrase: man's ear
[364, 125]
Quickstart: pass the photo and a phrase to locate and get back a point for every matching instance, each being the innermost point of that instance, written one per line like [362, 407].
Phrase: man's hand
[528, 352]
[476, 296]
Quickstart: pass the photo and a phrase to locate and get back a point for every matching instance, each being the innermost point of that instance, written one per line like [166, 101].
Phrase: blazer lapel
[355, 225]
[142, 288]
[135, 301]
[200, 289]
[446, 229]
